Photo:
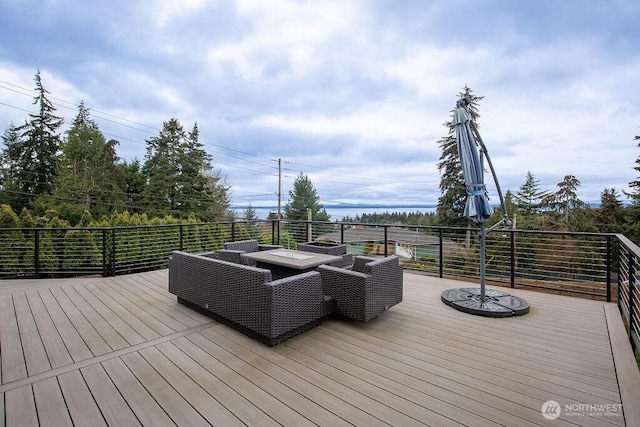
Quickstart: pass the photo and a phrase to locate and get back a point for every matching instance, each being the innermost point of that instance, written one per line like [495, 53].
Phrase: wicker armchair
[371, 287]
[233, 250]
[329, 249]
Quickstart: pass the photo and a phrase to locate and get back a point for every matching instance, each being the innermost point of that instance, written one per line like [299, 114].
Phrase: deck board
[52, 410]
[82, 408]
[13, 362]
[121, 351]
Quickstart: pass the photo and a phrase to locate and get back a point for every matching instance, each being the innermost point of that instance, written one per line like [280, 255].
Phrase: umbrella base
[495, 304]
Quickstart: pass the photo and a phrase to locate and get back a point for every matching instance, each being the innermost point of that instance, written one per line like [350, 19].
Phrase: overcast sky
[352, 93]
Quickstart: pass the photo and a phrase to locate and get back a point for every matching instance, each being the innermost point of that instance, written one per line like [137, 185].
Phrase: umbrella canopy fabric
[477, 207]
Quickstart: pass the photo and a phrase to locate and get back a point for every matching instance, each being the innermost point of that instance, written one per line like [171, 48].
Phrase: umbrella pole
[482, 262]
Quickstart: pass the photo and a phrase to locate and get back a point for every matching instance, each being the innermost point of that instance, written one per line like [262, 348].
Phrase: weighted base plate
[495, 304]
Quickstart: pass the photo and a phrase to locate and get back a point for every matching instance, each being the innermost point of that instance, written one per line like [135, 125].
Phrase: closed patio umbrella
[477, 208]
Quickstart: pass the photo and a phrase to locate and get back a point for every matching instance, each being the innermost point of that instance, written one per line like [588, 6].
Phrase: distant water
[338, 212]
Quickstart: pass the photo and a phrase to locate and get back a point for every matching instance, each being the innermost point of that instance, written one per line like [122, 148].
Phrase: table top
[299, 260]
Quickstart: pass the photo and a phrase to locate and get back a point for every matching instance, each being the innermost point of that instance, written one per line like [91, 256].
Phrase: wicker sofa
[369, 288]
[233, 250]
[245, 297]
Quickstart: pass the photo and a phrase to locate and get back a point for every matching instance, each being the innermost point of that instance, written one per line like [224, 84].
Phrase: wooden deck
[121, 351]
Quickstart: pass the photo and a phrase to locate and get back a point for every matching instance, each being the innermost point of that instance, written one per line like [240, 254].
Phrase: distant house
[400, 241]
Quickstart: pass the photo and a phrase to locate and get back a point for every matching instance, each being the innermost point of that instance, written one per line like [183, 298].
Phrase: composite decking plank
[110, 336]
[247, 382]
[14, 366]
[446, 371]
[90, 336]
[589, 372]
[57, 352]
[112, 405]
[449, 358]
[130, 318]
[34, 353]
[82, 407]
[345, 402]
[74, 343]
[148, 411]
[165, 303]
[141, 317]
[226, 395]
[121, 326]
[207, 405]
[166, 316]
[476, 395]
[52, 410]
[420, 357]
[20, 407]
[410, 386]
[498, 359]
[180, 411]
[589, 337]
[587, 331]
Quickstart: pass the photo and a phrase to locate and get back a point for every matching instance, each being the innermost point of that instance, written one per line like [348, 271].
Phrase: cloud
[353, 93]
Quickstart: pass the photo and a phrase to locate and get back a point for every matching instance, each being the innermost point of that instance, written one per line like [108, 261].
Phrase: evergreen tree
[179, 176]
[88, 174]
[453, 191]
[8, 157]
[134, 185]
[193, 189]
[635, 184]
[529, 197]
[37, 160]
[566, 198]
[303, 197]
[161, 168]
[610, 215]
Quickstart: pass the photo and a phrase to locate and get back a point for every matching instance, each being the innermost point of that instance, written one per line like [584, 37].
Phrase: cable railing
[590, 265]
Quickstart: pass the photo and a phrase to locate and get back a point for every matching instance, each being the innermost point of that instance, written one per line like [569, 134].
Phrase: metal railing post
[36, 254]
[233, 231]
[608, 264]
[386, 240]
[104, 253]
[441, 266]
[181, 237]
[513, 259]
[342, 233]
[112, 268]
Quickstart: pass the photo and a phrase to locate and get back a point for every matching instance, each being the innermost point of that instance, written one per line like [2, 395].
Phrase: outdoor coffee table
[288, 262]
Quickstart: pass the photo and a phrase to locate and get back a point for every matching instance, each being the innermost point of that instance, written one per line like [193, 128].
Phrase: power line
[373, 180]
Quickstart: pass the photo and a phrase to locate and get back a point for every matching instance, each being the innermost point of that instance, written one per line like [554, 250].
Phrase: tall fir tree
[530, 197]
[37, 162]
[88, 175]
[453, 191]
[179, 176]
[8, 157]
[635, 184]
[566, 197]
[302, 198]
[161, 168]
[610, 214]
[193, 193]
